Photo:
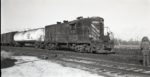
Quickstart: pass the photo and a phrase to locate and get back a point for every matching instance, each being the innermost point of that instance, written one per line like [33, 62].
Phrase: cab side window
[73, 28]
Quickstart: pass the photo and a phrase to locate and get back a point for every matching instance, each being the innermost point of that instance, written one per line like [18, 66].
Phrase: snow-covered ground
[28, 66]
[5, 54]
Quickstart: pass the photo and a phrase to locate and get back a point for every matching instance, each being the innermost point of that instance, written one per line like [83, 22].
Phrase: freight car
[81, 35]
[7, 39]
[29, 37]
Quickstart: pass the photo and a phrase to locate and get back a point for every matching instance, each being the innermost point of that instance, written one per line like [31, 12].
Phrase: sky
[127, 19]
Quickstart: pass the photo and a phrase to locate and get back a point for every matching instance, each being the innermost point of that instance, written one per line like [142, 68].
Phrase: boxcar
[7, 38]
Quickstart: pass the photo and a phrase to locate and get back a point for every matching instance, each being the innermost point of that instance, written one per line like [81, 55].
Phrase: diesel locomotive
[80, 35]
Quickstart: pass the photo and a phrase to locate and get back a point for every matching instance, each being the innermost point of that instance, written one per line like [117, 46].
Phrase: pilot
[145, 48]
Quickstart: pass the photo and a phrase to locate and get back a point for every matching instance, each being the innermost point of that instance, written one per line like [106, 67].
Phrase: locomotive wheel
[93, 50]
[76, 48]
[72, 47]
[50, 46]
[36, 46]
[47, 46]
[81, 49]
[17, 44]
[53, 46]
[41, 46]
[87, 49]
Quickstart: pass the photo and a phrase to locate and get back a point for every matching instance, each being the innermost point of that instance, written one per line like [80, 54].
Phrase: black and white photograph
[75, 38]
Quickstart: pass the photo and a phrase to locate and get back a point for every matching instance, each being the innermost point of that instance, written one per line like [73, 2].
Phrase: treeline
[124, 42]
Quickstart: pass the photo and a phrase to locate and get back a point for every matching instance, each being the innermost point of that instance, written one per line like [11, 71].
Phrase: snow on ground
[28, 66]
[5, 54]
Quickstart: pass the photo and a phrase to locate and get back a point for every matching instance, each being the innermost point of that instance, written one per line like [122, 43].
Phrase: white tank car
[30, 35]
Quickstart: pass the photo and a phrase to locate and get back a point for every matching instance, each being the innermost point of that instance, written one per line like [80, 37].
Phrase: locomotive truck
[80, 35]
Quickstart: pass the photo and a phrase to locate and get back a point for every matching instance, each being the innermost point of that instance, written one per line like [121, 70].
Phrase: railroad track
[110, 68]
[91, 62]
